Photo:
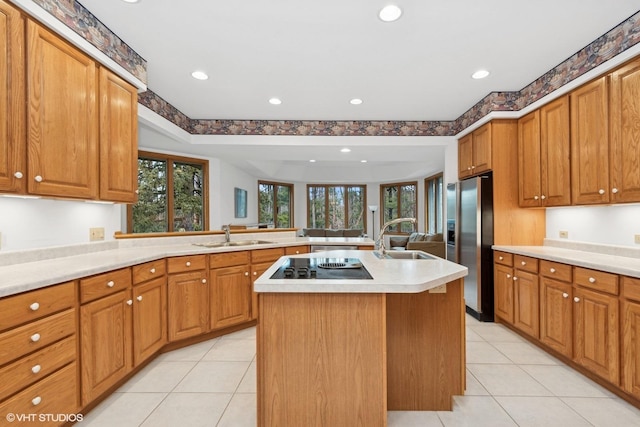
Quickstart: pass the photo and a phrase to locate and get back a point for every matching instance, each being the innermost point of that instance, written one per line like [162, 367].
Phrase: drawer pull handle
[139, 297]
[36, 369]
[297, 252]
[36, 400]
[129, 302]
[152, 271]
[565, 295]
[110, 284]
[34, 307]
[553, 270]
[576, 299]
[523, 263]
[188, 264]
[592, 280]
[35, 337]
[501, 258]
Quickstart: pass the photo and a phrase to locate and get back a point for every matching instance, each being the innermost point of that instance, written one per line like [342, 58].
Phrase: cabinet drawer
[23, 308]
[304, 249]
[229, 259]
[555, 270]
[186, 263]
[36, 366]
[503, 258]
[596, 280]
[36, 335]
[525, 263]
[148, 271]
[631, 288]
[266, 255]
[55, 394]
[104, 284]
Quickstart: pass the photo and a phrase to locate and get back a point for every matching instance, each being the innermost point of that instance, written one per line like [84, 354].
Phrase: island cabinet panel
[321, 360]
[419, 378]
[631, 336]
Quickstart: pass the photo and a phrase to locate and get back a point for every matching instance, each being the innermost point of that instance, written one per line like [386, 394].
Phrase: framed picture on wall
[240, 199]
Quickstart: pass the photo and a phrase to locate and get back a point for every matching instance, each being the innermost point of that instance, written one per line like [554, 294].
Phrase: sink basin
[233, 244]
[405, 255]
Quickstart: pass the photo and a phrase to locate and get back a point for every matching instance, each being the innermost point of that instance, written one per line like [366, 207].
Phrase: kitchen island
[343, 352]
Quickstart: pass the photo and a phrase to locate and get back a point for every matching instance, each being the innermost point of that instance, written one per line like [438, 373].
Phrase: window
[172, 195]
[434, 199]
[399, 201]
[275, 204]
[336, 206]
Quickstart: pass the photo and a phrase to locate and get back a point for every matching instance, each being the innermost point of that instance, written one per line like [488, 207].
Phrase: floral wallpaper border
[79, 19]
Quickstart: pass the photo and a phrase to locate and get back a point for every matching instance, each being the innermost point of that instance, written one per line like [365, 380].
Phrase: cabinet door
[625, 134]
[465, 156]
[13, 168]
[503, 279]
[631, 348]
[230, 296]
[188, 304]
[555, 166]
[596, 333]
[556, 318]
[149, 319]
[590, 143]
[482, 149]
[63, 117]
[105, 343]
[529, 160]
[526, 303]
[256, 271]
[118, 139]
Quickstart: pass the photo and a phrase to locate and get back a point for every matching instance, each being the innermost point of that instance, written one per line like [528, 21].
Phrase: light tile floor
[510, 382]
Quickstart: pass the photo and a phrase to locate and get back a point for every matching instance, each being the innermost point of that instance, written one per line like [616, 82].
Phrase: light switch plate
[563, 234]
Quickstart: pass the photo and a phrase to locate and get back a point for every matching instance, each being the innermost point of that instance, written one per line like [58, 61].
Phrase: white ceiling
[317, 55]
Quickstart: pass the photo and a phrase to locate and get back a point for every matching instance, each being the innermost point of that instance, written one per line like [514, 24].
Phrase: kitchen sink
[418, 255]
[234, 244]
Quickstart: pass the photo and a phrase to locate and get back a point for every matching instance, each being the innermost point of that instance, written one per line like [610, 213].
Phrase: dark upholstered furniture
[430, 243]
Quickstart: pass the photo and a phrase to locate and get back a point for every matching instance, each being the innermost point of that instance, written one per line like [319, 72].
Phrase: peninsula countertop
[389, 275]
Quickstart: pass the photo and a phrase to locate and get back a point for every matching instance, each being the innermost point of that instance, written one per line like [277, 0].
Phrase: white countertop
[25, 276]
[389, 275]
[623, 265]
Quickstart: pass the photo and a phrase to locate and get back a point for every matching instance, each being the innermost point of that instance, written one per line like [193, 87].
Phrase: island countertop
[389, 275]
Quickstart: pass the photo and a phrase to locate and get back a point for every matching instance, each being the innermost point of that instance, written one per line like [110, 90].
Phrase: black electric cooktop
[322, 268]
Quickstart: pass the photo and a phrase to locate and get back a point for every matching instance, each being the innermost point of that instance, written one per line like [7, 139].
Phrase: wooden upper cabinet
[590, 143]
[625, 133]
[555, 143]
[118, 138]
[62, 117]
[13, 168]
[529, 160]
[474, 152]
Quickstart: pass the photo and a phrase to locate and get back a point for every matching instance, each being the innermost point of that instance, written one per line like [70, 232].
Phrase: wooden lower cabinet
[230, 296]
[556, 315]
[106, 348]
[631, 347]
[149, 319]
[526, 302]
[503, 283]
[187, 304]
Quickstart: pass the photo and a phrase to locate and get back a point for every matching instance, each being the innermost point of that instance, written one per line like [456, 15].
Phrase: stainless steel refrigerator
[474, 239]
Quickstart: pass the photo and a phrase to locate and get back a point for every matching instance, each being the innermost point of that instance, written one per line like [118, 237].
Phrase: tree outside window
[399, 200]
[172, 195]
[275, 204]
[336, 206]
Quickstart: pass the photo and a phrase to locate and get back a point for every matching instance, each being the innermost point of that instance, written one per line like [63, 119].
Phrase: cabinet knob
[36, 400]
[592, 280]
[246, 273]
[500, 258]
[508, 276]
[38, 178]
[18, 175]
[515, 278]
[535, 197]
[110, 284]
[35, 337]
[297, 252]
[576, 299]
[565, 295]
[188, 264]
[614, 190]
[601, 191]
[137, 191]
[543, 197]
[255, 273]
[553, 270]
[523, 262]
[35, 369]
[152, 271]
[139, 297]
[473, 167]
[204, 280]
[129, 302]
[34, 307]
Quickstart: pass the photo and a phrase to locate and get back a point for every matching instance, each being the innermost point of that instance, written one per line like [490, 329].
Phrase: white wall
[614, 225]
[40, 223]
[223, 179]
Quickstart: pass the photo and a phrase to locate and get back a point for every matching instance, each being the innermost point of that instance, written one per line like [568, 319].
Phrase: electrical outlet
[636, 238]
[563, 234]
[96, 234]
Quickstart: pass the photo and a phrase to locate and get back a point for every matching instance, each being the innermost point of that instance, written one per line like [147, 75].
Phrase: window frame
[429, 181]
[171, 159]
[346, 203]
[275, 198]
[383, 188]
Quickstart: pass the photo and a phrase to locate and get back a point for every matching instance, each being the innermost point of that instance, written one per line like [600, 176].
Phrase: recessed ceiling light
[356, 101]
[312, 161]
[363, 161]
[480, 74]
[131, 1]
[200, 75]
[345, 150]
[390, 13]
[275, 101]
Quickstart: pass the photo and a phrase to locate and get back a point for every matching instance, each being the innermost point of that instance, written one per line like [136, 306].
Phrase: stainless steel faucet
[227, 232]
[380, 241]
